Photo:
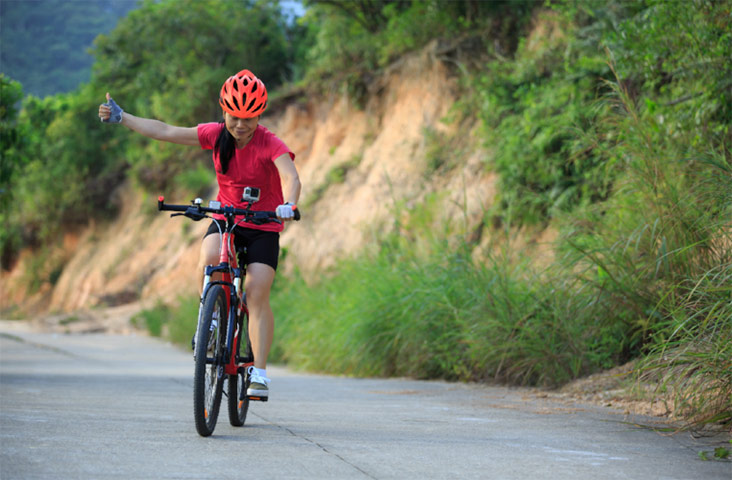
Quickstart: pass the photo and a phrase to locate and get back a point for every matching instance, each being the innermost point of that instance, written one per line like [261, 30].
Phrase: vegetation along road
[114, 406]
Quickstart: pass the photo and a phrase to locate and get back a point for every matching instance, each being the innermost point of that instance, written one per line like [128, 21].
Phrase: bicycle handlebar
[196, 211]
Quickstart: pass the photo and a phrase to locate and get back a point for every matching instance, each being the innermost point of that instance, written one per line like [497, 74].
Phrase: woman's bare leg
[261, 319]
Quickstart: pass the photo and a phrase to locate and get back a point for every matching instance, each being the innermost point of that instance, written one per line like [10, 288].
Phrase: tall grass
[419, 306]
[663, 242]
[176, 323]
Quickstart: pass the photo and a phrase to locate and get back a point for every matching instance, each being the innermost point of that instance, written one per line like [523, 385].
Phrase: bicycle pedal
[257, 399]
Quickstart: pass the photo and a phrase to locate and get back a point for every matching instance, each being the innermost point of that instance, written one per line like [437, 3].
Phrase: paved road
[120, 407]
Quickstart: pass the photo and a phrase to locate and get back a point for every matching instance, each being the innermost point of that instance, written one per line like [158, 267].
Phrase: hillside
[379, 150]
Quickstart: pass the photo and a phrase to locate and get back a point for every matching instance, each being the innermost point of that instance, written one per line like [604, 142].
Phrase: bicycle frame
[221, 361]
[231, 281]
[228, 362]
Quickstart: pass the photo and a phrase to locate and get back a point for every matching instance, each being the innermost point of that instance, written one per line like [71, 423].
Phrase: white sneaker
[258, 384]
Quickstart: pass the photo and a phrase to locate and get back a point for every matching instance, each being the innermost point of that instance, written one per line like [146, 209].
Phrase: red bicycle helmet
[243, 95]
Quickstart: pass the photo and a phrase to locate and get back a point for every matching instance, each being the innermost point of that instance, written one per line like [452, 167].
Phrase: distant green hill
[44, 43]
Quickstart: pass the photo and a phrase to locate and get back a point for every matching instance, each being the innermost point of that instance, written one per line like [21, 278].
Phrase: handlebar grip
[161, 200]
[297, 212]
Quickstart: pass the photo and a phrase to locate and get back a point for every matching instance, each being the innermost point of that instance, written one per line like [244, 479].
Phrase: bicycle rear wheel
[237, 384]
[238, 406]
[208, 377]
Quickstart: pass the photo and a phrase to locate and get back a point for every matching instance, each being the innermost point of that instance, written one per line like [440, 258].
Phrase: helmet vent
[254, 87]
[251, 104]
[245, 81]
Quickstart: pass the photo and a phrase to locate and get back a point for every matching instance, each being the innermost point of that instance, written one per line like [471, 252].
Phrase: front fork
[204, 290]
[233, 292]
[234, 297]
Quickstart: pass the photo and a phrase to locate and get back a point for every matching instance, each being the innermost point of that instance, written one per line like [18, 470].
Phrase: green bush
[176, 323]
[419, 306]
[153, 319]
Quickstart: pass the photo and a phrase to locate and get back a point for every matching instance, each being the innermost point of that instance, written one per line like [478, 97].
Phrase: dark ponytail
[224, 148]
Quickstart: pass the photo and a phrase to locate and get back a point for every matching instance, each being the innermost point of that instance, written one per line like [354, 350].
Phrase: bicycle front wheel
[208, 377]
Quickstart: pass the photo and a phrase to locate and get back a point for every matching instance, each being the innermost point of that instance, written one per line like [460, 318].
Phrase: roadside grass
[670, 254]
[152, 319]
[429, 311]
[176, 323]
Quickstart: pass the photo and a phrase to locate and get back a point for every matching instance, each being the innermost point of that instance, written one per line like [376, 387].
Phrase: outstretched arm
[154, 129]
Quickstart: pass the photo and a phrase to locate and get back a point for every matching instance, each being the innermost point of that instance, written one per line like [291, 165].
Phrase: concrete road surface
[120, 407]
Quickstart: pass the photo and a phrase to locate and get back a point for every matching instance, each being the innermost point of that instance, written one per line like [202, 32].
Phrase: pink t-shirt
[251, 166]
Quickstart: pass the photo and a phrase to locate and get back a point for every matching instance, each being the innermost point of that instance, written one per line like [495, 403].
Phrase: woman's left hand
[286, 211]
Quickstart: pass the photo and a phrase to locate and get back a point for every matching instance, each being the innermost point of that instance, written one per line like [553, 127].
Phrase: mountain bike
[223, 318]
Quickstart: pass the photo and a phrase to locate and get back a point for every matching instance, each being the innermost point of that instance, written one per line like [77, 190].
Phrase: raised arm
[154, 129]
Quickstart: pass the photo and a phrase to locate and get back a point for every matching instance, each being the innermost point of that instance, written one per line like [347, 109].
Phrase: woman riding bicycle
[245, 154]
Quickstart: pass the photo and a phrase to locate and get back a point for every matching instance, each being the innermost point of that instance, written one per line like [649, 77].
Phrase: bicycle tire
[238, 407]
[238, 401]
[208, 377]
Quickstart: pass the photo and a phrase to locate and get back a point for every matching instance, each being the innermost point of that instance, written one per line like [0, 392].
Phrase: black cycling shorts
[261, 246]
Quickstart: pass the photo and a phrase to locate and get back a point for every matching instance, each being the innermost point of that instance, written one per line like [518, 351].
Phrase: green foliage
[196, 181]
[662, 239]
[69, 178]
[182, 322]
[679, 56]
[538, 111]
[152, 319]
[544, 111]
[719, 453]
[443, 152]
[378, 32]
[54, 172]
[194, 46]
[419, 306]
[176, 323]
[61, 165]
[12, 161]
